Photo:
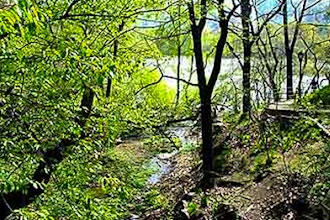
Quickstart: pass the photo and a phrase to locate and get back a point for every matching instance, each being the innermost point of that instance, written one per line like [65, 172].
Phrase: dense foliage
[76, 76]
[320, 97]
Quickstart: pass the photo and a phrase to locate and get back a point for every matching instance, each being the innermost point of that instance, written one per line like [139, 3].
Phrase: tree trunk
[274, 89]
[206, 115]
[246, 81]
[288, 52]
[289, 74]
[115, 53]
[300, 80]
[206, 118]
[206, 88]
[246, 11]
[179, 59]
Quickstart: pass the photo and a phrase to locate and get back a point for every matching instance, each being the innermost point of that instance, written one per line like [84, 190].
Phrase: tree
[248, 42]
[249, 33]
[206, 87]
[270, 57]
[247, 45]
[55, 59]
[300, 9]
[115, 54]
[315, 55]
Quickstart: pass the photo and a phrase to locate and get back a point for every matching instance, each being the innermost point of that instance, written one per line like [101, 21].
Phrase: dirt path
[278, 195]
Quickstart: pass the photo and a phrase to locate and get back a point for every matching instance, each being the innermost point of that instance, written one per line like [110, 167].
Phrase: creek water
[162, 163]
[230, 74]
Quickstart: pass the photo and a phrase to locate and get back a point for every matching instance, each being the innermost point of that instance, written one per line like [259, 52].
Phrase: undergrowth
[104, 185]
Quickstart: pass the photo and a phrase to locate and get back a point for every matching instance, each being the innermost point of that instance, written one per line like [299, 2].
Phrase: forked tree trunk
[206, 117]
[206, 88]
[290, 46]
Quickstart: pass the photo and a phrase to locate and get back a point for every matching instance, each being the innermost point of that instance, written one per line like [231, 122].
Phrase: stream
[162, 163]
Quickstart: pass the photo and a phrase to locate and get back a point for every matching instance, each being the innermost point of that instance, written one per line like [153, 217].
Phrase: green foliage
[314, 162]
[99, 186]
[190, 147]
[50, 54]
[159, 143]
[154, 199]
[320, 97]
[259, 163]
[192, 208]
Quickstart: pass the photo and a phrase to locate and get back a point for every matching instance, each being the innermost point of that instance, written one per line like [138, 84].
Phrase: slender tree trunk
[247, 80]
[274, 89]
[246, 11]
[206, 115]
[115, 53]
[179, 59]
[289, 74]
[190, 76]
[178, 76]
[288, 52]
[300, 80]
[289, 47]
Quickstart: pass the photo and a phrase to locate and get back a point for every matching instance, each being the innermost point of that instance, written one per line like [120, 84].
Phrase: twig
[308, 217]
[326, 207]
[6, 203]
[182, 80]
[67, 12]
[153, 83]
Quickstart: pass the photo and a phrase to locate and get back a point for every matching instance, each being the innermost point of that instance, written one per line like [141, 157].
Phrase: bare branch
[182, 80]
[67, 12]
[153, 83]
[202, 21]
[235, 54]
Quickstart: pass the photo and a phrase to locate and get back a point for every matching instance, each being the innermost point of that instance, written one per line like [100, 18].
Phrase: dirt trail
[275, 197]
[278, 195]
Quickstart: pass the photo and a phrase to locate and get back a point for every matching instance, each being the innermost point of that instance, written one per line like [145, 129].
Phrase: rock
[226, 212]
[179, 209]
[167, 156]
[119, 141]
[134, 217]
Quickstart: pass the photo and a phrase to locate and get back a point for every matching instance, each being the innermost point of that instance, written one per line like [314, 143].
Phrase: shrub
[320, 97]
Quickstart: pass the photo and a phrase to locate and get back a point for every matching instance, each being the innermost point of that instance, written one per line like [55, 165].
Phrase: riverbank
[157, 177]
[250, 186]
